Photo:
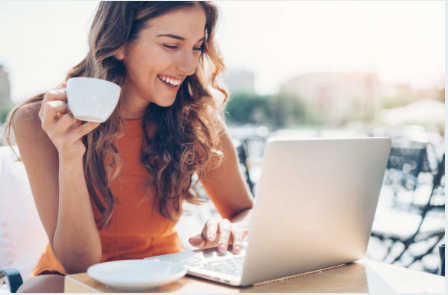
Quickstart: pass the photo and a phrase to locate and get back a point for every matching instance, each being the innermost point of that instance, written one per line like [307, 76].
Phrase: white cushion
[22, 236]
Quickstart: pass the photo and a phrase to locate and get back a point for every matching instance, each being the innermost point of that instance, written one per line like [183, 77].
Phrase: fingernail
[54, 91]
[211, 237]
[222, 247]
[236, 249]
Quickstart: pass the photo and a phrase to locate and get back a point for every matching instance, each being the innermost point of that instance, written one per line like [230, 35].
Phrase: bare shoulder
[26, 119]
[30, 137]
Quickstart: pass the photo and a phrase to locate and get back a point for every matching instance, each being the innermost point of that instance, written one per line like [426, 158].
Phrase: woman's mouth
[170, 82]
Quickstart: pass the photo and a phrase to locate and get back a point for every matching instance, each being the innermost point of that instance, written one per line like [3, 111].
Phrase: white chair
[22, 236]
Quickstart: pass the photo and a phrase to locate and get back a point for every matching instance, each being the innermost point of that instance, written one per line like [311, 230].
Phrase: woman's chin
[165, 103]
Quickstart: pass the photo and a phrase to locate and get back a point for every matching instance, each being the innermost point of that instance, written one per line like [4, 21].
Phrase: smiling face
[159, 60]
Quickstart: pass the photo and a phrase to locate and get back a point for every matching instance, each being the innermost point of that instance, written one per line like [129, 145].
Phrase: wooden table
[364, 276]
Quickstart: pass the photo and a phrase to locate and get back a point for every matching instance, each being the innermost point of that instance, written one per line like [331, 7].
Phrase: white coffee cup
[91, 99]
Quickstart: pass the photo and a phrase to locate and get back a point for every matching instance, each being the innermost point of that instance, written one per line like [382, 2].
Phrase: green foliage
[282, 109]
[289, 109]
[246, 107]
[4, 111]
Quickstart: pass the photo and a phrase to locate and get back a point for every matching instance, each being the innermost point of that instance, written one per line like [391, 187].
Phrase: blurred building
[402, 90]
[239, 80]
[407, 92]
[339, 96]
[5, 89]
[421, 112]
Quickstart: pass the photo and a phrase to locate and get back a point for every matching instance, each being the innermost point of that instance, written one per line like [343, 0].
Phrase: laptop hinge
[305, 274]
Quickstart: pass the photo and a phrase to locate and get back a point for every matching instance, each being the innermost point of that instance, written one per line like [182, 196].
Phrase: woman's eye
[200, 48]
[172, 47]
[169, 46]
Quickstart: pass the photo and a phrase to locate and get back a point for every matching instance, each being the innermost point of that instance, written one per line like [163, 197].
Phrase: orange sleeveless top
[136, 229]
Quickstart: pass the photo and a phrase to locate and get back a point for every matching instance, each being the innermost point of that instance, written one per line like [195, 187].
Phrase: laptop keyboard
[231, 266]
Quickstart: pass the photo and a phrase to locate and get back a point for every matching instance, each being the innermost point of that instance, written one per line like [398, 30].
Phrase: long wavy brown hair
[188, 131]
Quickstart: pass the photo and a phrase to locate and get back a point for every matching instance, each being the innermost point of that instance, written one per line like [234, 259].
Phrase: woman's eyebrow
[178, 37]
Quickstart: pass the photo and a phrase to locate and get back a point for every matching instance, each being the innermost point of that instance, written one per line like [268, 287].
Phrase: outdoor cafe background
[302, 69]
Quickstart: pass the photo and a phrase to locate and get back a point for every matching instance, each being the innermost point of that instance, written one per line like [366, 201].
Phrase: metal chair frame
[437, 182]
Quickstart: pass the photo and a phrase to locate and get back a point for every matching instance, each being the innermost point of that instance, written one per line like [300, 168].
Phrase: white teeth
[170, 81]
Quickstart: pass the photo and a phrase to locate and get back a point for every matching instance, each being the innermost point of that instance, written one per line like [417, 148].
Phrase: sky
[402, 41]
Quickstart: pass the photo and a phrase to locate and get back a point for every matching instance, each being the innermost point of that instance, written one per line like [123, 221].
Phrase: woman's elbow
[78, 264]
[77, 261]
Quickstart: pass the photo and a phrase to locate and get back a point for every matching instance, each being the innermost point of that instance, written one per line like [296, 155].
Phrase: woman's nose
[187, 63]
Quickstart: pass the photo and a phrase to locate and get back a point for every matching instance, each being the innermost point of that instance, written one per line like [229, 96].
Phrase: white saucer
[136, 275]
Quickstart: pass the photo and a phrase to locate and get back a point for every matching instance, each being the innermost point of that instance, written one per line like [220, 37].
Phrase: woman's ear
[120, 53]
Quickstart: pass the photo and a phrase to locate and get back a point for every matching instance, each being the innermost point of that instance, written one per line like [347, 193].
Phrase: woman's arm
[58, 184]
[226, 187]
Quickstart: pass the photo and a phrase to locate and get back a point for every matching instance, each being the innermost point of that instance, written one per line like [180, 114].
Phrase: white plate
[136, 275]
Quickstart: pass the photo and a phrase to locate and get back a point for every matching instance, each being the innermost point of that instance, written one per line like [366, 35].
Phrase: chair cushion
[22, 236]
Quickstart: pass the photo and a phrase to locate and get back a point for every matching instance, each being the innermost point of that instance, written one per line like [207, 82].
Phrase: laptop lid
[314, 206]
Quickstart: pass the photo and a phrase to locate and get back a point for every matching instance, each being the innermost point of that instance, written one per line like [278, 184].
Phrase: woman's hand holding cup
[61, 126]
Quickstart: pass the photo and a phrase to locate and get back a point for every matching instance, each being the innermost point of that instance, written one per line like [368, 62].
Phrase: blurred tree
[280, 110]
[248, 107]
[4, 110]
[289, 109]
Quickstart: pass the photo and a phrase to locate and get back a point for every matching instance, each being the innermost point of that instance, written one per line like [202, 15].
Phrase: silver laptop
[314, 209]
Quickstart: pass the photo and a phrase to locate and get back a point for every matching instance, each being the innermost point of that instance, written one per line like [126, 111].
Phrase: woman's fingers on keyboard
[211, 230]
[220, 233]
[207, 238]
[224, 235]
[237, 241]
[197, 241]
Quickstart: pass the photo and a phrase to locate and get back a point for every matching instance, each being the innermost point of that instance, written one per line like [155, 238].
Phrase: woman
[115, 190]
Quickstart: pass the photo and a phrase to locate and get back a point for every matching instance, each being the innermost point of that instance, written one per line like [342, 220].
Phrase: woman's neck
[132, 110]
